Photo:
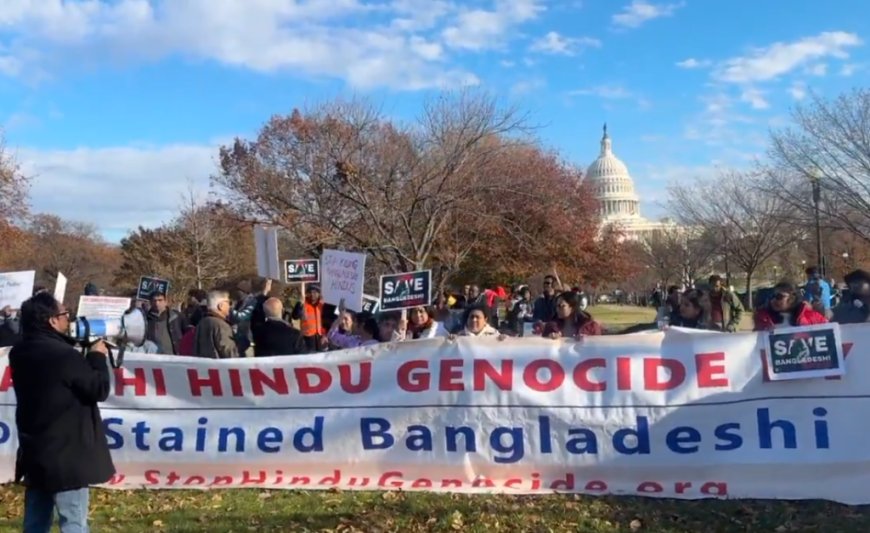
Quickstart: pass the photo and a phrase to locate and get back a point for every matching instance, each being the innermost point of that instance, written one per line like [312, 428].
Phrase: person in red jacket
[786, 309]
[571, 321]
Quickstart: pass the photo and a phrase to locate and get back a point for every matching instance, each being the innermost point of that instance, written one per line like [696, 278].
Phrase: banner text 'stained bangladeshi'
[680, 414]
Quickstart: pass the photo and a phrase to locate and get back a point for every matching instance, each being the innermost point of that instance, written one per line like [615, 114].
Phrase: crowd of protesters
[221, 325]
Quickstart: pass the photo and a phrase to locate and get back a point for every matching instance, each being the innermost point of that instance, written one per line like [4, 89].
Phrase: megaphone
[115, 332]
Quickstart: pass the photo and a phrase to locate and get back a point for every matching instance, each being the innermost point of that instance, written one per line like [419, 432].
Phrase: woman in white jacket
[476, 324]
[422, 325]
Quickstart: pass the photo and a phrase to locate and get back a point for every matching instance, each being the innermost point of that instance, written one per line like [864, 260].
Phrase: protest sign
[266, 246]
[804, 352]
[370, 305]
[406, 290]
[672, 414]
[15, 288]
[302, 271]
[150, 285]
[343, 278]
[60, 287]
[103, 307]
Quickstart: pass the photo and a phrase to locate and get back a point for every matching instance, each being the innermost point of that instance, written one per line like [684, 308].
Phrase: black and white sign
[302, 271]
[149, 286]
[406, 290]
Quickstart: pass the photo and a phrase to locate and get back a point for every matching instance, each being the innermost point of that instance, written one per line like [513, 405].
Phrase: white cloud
[344, 39]
[507, 64]
[798, 90]
[481, 29]
[608, 92]
[116, 188]
[639, 12]
[820, 69]
[848, 69]
[692, 63]
[771, 62]
[553, 43]
[525, 87]
[754, 97]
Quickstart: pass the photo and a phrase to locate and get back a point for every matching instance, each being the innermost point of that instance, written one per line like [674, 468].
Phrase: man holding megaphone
[62, 446]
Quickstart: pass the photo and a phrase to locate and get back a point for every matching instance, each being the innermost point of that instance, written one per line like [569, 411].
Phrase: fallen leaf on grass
[456, 521]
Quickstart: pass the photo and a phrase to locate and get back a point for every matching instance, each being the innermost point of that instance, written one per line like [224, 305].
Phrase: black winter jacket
[62, 442]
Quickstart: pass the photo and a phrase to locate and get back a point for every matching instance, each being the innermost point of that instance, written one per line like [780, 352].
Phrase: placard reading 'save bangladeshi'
[804, 352]
[406, 290]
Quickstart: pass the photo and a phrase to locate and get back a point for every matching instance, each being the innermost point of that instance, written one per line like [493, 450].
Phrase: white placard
[266, 244]
[60, 287]
[15, 288]
[343, 276]
[104, 307]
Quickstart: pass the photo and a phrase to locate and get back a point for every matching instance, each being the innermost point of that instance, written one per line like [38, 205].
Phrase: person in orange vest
[310, 316]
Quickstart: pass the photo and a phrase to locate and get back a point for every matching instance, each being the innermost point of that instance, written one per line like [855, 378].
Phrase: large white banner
[680, 415]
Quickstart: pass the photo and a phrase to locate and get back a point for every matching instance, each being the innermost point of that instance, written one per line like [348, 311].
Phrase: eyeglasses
[65, 313]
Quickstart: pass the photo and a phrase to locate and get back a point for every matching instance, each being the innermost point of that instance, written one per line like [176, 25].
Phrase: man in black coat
[277, 337]
[62, 444]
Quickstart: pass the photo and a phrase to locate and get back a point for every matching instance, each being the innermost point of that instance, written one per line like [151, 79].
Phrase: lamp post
[815, 179]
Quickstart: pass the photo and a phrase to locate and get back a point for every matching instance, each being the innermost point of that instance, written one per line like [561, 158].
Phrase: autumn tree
[72, 248]
[828, 141]
[679, 254]
[461, 185]
[751, 227]
[13, 206]
[201, 248]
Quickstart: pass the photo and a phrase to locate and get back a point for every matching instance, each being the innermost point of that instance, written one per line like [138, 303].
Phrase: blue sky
[115, 107]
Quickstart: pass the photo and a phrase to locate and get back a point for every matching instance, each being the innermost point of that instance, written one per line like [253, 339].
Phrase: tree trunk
[749, 302]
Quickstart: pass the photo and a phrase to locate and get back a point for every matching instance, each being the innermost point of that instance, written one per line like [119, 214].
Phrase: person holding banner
[786, 309]
[571, 321]
[422, 325]
[477, 324]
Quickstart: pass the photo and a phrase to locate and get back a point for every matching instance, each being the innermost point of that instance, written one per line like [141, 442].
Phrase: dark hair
[701, 301]
[389, 315]
[783, 287]
[198, 314]
[570, 298]
[812, 271]
[786, 286]
[199, 294]
[714, 278]
[37, 311]
[672, 289]
[482, 308]
[370, 326]
[550, 278]
[155, 294]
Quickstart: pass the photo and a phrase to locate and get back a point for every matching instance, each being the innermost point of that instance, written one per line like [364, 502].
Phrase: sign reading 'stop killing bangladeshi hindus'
[406, 290]
[805, 352]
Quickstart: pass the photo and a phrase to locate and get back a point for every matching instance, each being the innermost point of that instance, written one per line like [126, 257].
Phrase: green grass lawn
[316, 511]
[253, 510]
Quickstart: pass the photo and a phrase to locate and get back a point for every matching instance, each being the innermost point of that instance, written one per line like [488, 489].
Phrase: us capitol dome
[614, 190]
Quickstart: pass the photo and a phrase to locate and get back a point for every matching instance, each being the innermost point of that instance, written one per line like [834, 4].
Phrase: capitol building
[614, 189]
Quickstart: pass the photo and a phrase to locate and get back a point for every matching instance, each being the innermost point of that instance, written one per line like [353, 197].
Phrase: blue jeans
[72, 510]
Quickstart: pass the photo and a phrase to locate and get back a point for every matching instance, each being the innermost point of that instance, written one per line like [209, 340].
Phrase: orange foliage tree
[462, 189]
